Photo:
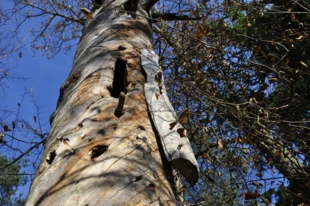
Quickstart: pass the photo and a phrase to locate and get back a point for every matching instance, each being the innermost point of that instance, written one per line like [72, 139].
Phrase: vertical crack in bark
[119, 84]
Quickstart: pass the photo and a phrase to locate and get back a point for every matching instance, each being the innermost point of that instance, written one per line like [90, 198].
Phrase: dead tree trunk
[102, 148]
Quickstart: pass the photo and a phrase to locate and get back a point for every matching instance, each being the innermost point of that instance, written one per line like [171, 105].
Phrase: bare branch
[23, 154]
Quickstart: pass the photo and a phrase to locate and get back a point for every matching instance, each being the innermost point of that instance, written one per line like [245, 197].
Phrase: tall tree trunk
[98, 152]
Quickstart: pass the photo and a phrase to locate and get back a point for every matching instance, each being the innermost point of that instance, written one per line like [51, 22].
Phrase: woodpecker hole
[98, 150]
[151, 186]
[51, 157]
[140, 127]
[121, 48]
[119, 81]
[114, 126]
[138, 178]
[182, 132]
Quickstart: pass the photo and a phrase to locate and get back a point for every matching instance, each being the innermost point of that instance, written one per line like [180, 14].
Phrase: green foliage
[9, 182]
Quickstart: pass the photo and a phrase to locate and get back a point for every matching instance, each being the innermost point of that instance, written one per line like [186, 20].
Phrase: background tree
[236, 83]
[9, 181]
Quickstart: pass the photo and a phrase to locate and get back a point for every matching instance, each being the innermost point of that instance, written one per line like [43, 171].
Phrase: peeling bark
[92, 156]
[175, 143]
[112, 119]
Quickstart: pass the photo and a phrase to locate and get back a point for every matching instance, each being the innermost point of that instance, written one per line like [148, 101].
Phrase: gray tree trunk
[99, 151]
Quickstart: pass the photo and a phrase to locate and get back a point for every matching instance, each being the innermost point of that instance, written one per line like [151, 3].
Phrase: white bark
[93, 157]
[176, 146]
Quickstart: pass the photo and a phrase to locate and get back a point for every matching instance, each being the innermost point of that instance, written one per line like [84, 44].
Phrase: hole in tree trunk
[51, 157]
[98, 150]
[119, 81]
[121, 48]
[138, 178]
[151, 186]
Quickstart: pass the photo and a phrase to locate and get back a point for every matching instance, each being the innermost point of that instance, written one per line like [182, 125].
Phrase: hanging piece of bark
[177, 148]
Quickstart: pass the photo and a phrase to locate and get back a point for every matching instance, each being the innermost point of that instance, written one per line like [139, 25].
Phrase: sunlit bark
[95, 155]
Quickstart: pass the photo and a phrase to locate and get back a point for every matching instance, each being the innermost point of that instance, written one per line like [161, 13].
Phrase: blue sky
[45, 76]
[43, 80]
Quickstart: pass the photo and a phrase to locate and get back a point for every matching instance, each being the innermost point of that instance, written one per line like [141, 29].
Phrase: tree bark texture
[93, 155]
[112, 120]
